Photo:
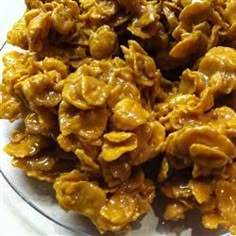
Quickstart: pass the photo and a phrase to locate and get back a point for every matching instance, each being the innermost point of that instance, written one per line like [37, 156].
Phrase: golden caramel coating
[103, 42]
[118, 143]
[133, 198]
[129, 114]
[11, 108]
[115, 93]
[201, 190]
[226, 195]
[150, 138]
[26, 145]
[174, 211]
[208, 148]
[115, 172]
[46, 165]
[219, 65]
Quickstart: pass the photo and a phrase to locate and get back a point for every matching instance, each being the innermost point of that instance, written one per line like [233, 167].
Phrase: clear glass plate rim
[25, 199]
[31, 204]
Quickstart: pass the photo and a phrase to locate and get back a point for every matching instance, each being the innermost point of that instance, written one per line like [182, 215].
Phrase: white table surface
[16, 217]
[11, 222]
[10, 10]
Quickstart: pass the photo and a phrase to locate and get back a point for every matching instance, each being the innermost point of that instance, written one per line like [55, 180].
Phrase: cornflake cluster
[108, 86]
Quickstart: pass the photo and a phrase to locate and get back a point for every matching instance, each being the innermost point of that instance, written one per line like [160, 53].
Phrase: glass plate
[41, 197]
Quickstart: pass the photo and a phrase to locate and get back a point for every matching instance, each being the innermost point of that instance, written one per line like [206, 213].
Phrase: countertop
[16, 217]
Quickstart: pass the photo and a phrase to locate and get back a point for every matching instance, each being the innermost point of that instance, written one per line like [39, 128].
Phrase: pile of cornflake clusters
[108, 87]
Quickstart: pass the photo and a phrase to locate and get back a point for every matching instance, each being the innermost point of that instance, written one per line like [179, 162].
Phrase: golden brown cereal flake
[118, 143]
[26, 145]
[128, 114]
